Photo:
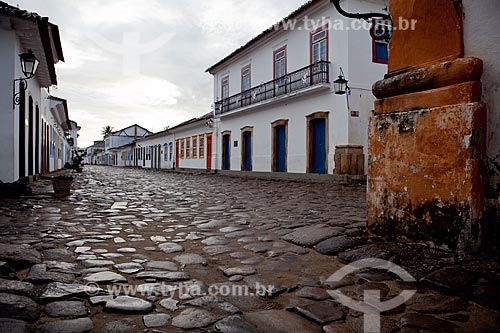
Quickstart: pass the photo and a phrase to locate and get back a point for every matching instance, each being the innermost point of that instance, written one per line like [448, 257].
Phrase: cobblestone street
[172, 237]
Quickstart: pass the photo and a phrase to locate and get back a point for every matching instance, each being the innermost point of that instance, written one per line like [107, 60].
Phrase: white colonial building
[92, 151]
[59, 137]
[188, 145]
[276, 109]
[34, 126]
[120, 138]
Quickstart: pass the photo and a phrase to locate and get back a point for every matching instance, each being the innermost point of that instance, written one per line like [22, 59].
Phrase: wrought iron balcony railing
[303, 78]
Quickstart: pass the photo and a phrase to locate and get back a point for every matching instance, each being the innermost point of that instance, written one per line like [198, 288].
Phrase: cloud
[142, 91]
[108, 13]
[164, 84]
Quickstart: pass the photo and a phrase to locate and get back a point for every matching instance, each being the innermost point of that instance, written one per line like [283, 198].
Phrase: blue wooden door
[318, 146]
[226, 157]
[280, 149]
[247, 140]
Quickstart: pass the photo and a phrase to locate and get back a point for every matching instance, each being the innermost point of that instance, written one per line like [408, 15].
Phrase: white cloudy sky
[168, 45]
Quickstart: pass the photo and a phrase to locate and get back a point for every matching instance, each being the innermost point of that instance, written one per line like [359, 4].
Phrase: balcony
[317, 73]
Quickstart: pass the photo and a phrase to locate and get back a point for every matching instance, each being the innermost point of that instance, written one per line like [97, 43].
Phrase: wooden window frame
[283, 48]
[311, 42]
[194, 144]
[188, 148]
[201, 145]
[182, 149]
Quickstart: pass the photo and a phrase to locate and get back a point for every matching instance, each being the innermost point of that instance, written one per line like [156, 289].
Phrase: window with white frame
[280, 63]
[225, 88]
[245, 78]
[319, 45]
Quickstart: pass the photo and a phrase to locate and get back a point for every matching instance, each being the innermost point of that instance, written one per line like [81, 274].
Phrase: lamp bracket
[17, 96]
[381, 22]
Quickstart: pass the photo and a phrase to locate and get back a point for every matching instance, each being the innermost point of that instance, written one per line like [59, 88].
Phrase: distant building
[92, 151]
[34, 126]
[276, 107]
[122, 137]
[188, 145]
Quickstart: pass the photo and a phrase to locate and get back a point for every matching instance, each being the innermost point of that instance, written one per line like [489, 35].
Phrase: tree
[106, 130]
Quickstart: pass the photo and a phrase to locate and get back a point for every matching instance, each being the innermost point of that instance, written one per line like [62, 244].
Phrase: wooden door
[209, 151]
[318, 148]
[177, 154]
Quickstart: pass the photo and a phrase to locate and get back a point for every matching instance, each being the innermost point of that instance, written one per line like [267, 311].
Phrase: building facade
[275, 104]
[188, 145]
[34, 126]
[120, 138]
[92, 151]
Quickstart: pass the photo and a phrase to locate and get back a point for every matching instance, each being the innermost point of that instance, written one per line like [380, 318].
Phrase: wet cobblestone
[168, 239]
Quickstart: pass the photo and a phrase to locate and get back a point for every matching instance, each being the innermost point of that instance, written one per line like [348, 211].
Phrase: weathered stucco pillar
[427, 133]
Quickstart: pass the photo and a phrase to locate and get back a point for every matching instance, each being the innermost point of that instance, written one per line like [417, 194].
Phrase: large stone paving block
[69, 326]
[66, 309]
[310, 235]
[18, 307]
[19, 255]
[280, 321]
[16, 287]
[13, 326]
[39, 274]
[193, 318]
[425, 178]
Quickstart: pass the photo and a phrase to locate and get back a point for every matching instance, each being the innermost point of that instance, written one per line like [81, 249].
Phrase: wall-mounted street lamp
[340, 85]
[210, 123]
[29, 65]
[341, 88]
[381, 23]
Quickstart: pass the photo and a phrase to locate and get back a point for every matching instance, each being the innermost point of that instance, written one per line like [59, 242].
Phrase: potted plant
[62, 185]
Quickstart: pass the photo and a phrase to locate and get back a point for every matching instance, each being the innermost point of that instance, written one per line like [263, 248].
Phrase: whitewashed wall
[481, 39]
[9, 117]
[8, 121]
[295, 112]
[156, 140]
[188, 132]
[351, 50]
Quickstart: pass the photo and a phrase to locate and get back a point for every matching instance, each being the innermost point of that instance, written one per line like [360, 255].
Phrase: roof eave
[263, 34]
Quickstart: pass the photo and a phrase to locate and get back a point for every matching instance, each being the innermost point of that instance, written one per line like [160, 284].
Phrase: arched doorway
[226, 150]
[279, 137]
[246, 148]
[317, 143]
